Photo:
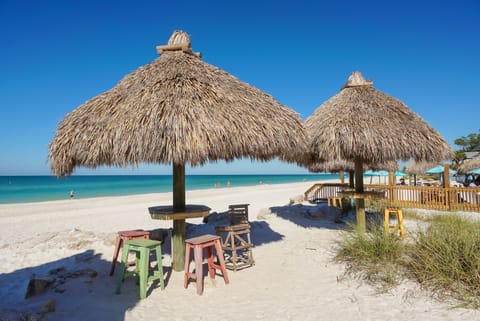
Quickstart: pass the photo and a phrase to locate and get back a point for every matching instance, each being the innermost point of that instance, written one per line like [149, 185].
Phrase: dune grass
[444, 258]
[372, 256]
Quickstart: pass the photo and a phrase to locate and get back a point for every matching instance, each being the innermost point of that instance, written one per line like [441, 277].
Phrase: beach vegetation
[443, 258]
[372, 256]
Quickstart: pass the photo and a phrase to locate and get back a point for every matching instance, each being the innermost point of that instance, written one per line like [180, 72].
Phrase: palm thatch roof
[176, 109]
[333, 166]
[469, 164]
[363, 123]
[416, 168]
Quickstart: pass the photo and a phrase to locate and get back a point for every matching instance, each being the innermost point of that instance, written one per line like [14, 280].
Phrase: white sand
[294, 277]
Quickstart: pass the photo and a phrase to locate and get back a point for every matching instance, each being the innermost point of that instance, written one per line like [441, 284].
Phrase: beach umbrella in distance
[366, 126]
[469, 164]
[175, 110]
[474, 171]
[444, 172]
[378, 174]
[439, 170]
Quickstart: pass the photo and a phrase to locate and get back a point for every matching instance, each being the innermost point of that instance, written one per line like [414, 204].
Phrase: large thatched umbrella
[469, 164]
[176, 110]
[364, 125]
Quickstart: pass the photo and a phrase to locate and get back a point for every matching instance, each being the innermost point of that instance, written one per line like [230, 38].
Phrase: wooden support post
[359, 202]
[351, 179]
[446, 184]
[392, 180]
[342, 177]
[178, 234]
[446, 176]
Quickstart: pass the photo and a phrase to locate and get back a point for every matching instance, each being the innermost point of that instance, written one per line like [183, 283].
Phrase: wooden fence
[439, 198]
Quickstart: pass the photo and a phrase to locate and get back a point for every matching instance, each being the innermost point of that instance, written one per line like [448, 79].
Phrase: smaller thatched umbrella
[334, 166]
[469, 165]
[366, 126]
[416, 168]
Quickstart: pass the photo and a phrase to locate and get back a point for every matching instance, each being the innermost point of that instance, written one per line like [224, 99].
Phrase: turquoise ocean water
[22, 189]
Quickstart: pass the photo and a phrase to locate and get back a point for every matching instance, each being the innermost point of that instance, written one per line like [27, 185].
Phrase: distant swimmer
[72, 193]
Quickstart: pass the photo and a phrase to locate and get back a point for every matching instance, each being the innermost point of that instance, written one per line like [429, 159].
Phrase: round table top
[166, 212]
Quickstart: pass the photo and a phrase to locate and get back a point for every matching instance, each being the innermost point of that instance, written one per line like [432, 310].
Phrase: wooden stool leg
[187, 265]
[400, 224]
[122, 268]
[211, 268]
[234, 251]
[118, 244]
[158, 253]
[143, 271]
[199, 268]
[218, 248]
[249, 251]
[386, 221]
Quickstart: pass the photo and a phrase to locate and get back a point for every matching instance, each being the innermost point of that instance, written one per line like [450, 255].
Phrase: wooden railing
[321, 192]
[450, 199]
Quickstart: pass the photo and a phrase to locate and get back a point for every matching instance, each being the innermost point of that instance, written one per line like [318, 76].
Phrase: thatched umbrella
[175, 110]
[333, 166]
[416, 168]
[366, 126]
[469, 164]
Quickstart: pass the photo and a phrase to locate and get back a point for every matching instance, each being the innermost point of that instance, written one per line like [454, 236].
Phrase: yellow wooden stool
[393, 228]
[335, 201]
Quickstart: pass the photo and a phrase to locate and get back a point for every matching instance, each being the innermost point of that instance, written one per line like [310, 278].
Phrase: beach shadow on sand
[260, 231]
[317, 215]
[77, 287]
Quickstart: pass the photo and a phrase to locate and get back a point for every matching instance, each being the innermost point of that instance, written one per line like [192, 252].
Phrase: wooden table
[167, 212]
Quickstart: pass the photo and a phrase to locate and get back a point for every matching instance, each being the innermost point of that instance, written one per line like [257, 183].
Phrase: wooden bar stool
[207, 242]
[393, 228]
[122, 237]
[236, 245]
[238, 213]
[142, 248]
[334, 201]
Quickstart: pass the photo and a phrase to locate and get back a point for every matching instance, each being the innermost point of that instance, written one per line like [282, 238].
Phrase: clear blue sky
[57, 54]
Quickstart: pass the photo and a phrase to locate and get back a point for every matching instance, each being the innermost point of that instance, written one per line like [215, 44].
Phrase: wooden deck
[439, 198]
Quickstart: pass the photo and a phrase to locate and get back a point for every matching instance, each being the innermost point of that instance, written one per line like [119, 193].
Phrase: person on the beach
[72, 193]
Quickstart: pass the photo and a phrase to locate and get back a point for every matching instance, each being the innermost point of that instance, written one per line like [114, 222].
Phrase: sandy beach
[294, 277]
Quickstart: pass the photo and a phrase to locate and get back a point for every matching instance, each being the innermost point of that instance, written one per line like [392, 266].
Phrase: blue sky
[58, 54]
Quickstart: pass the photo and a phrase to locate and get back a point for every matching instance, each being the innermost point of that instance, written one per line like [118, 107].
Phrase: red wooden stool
[125, 236]
[207, 241]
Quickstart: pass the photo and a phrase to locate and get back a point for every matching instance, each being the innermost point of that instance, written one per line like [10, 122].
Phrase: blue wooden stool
[142, 248]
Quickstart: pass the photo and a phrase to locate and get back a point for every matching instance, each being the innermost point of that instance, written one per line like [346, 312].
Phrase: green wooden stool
[144, 274]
